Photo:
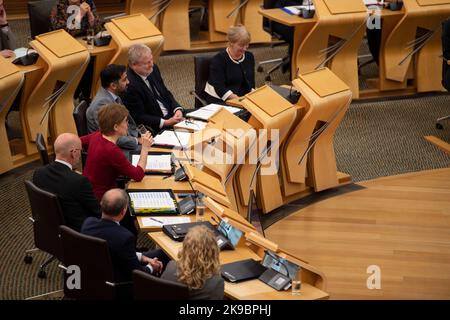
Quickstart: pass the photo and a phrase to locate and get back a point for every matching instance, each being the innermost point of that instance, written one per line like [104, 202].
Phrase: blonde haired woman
[232, 70]
[198, 265]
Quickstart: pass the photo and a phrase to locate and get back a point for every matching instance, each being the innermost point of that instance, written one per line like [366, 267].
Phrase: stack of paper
[155, 163]
[208, 111]
[296, 10]
[160, 221]
[152, 202]
[168, 138]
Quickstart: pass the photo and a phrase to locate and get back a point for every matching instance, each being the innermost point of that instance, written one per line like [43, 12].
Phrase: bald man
[74, 191]
[121, 242]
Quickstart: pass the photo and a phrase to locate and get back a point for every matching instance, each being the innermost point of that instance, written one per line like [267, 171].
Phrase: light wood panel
[399, 223]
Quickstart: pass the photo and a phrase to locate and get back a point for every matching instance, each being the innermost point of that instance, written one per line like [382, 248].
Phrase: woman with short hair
[106, 161]
[198, 265]
[232, 70]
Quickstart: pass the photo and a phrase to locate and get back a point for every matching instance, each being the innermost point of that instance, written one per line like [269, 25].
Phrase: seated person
[114, 83]
[7, 40]
[106, 161]
[198, 266]
[75, 16]
[120, 241]
[232, 70]
[147, 97]
[74, 191]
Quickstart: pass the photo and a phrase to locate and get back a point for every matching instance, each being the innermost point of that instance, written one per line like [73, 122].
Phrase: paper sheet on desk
[149, 222]
[209, 110]
[155, 162]
[168, 138]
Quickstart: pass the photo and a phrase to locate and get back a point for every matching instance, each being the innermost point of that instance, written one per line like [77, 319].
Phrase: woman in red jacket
[106, 161]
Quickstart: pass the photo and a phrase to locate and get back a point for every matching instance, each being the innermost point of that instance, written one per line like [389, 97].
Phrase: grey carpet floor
[375, 139]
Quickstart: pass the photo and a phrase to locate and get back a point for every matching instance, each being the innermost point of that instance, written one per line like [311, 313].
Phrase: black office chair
[47, 216]
[42, 149]
[445, 64]
[39, 15]
[91, 256]
[201, 71]
[79, 116]
[268, 26]
[148, 287]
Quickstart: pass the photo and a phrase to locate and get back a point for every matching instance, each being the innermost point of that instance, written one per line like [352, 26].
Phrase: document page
[157, 163]
[168, 138]
[209, 110]
[160, 221]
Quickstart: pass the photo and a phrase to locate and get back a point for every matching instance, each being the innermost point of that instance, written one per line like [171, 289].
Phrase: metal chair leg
[438, 122]
[42, 274]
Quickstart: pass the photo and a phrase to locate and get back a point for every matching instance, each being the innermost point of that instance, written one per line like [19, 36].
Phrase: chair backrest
[42, 149]
[446, 54]
[267, 23]
[92, 256]
[48, 216]
[39, 15]
[148, 287]
[201, 69]
[79, 115]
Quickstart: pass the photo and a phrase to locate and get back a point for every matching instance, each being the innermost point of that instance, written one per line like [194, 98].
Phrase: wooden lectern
[333, 41]
[64, 60]
[411, 48]
[307, 156]
[11, 80]
[223, 159]
[129, 30]
[270, 112]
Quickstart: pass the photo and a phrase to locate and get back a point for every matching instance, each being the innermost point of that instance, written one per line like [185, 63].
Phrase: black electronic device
[26, 60]
[242, 270]
[280, 272]
[186, 205]
[395, 6]
[102, 40]
[180, 175]
[178, 231]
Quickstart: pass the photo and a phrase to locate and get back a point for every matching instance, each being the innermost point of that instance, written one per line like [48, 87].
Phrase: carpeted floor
[375, 139]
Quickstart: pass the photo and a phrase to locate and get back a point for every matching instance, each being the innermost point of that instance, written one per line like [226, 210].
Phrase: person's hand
[6, 53]
[179, 115]
[156, 265]
[147, 140]
[84, 8]
[170, 122]
[233, 96]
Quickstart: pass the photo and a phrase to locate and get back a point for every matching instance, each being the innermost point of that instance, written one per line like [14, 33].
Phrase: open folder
[170, 139]
[152, 202]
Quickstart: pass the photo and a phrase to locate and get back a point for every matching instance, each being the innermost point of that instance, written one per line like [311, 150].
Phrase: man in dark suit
[74, 190]
[114, 83]
[121, 242]
[147, 97]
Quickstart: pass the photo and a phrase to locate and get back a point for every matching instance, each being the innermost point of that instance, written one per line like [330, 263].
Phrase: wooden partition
[411, 49]
[64, 60]
[11, 80]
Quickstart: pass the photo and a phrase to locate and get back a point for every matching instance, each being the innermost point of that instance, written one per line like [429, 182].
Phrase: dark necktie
[119, 100]
[155, 91]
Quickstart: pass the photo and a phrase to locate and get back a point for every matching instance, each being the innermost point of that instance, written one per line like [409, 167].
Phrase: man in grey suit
[114, 82]
[7, 41]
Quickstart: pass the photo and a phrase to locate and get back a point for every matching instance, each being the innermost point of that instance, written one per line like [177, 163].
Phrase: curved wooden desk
[11, 80]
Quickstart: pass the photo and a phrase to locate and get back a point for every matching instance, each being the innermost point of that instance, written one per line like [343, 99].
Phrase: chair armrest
[117, 284]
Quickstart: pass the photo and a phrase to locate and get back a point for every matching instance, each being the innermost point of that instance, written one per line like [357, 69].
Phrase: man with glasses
[74, 191]
[114, 82]
[147, 97]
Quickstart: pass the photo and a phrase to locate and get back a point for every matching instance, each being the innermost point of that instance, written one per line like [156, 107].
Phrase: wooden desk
[247, 290]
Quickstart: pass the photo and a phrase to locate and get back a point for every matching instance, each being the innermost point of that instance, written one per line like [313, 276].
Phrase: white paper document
[160, 221]
[296, 10]
[209, 110]
[168, 138]
[152, 201]
[157, 163]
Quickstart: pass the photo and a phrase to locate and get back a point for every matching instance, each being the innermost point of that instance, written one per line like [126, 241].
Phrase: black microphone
[181, 165]
[278, 260]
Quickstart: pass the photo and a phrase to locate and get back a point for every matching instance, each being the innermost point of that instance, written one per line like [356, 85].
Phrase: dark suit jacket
[141, 102]
[212, 290]
[121, 244]
[74, 192]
